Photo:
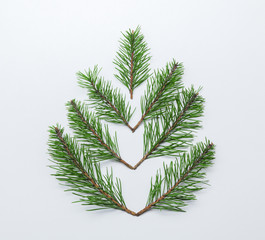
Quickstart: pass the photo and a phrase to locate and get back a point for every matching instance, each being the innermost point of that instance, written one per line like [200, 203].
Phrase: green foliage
[171, 116]
[91, 133]
[180, 179]
[173, 132]
[133, 59]
[81, 174]
[108, 102]
[161, 90]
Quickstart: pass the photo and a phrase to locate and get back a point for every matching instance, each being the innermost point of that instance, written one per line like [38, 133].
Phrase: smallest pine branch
[176, 186]
[82, 176]
[132, 60]
[109, 103]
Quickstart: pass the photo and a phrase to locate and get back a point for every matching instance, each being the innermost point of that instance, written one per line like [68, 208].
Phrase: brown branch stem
[131, 73]
[131, 76]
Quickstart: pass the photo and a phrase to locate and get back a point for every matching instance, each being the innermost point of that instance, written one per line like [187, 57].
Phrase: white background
[44, 43]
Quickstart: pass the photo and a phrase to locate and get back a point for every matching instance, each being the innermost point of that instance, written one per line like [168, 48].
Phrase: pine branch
[109, 103]
[161, 91]
[88, 128]
[132, 60]
[178, 125]
[82, 175]
[181, 179]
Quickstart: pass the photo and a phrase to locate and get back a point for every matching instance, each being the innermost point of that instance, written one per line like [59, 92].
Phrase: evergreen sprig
[108, 102]
[180, 179]
[173, 132]
[81, 174]
[132, 60]
[92, 133]
[161, 89]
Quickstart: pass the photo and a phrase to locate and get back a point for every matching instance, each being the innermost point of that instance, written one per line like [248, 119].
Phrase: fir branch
[82, 175]
[109, 103]
[132, 60]
[161, 91]
[181, 179]
[88, 128]
[178, 125]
